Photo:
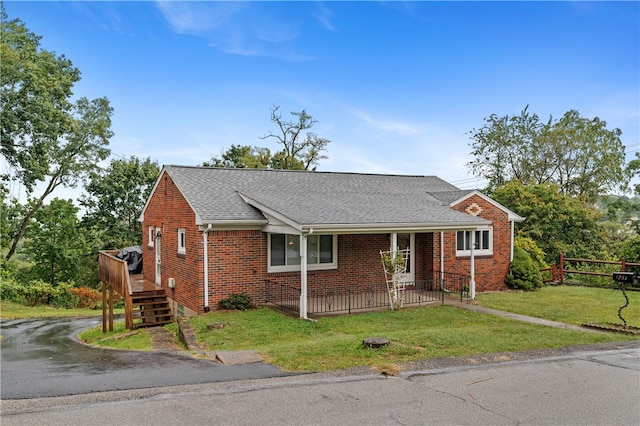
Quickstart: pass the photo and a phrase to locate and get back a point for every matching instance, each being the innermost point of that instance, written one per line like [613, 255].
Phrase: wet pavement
[43, 358]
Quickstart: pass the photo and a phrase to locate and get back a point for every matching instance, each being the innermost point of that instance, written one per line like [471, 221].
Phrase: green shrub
[238, 302]
[535, 252]
[11, 290]
[523, 272]
[38, 292]
[63, 298]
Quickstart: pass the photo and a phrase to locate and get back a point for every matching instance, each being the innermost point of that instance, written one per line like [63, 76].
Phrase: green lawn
[415, 334]
[119, 338]
[572, 305]
[11, 310]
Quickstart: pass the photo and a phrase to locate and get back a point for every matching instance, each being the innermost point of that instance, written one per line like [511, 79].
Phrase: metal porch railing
[354, 299]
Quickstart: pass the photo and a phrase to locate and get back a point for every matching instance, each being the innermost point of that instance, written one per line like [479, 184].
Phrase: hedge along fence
[591, 272]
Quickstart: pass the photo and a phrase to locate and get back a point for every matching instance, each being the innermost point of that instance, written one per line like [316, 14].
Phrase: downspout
[513, 228]
[205, 255]
[472, 284]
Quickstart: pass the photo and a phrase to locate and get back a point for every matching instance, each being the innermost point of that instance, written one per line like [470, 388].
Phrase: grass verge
[119, 338]
[415, 334]
[571, 305]
[12, 310]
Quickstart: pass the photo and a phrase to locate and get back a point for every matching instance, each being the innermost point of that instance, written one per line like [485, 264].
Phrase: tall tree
[45, 137]
[633, 171]
[301, 151]
[56, 242]
[579, 155]
[557, 223]
[242, 157]
[115, 199]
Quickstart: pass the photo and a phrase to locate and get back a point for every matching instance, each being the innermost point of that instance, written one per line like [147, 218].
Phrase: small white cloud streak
[386, 126]
[197, 17]
[323, 16]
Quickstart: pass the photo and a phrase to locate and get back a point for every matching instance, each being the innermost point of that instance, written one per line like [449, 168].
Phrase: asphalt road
[577, 388]
[43, 358]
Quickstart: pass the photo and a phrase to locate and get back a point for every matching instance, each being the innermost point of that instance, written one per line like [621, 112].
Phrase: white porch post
[394, 243]
[472, 284]
[303, 276]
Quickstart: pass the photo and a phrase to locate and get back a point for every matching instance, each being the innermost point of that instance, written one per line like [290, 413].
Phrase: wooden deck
[145, 303]
[140, 285]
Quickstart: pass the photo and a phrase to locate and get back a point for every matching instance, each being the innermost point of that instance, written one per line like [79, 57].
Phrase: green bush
[534, 251]
[63, 297]
[523, 272]
[38, 292]
[237, 302]
[11, 290]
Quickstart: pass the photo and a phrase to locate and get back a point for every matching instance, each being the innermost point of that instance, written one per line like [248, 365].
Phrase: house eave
[363, 228]
[385, 228]
[232, 224]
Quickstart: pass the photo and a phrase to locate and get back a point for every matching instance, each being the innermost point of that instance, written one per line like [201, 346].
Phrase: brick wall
[237, 264]
[490, 271]
[358, 266]
[169, 211]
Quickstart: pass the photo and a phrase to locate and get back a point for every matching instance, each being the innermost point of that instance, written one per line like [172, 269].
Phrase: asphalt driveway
[43, 358]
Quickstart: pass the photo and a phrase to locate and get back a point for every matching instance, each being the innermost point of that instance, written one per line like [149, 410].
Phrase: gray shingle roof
[319, 198]
[448, 197]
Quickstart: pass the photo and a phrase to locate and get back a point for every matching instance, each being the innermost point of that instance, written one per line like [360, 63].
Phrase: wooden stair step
[151, 324]
[149, 299]
[152, 304]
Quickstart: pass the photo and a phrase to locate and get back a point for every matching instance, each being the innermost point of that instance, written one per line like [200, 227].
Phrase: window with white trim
[151, 236]
[284, 252]
[182, 241]
[483, 240]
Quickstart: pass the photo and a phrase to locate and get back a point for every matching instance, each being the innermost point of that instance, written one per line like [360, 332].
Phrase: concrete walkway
[471, 306]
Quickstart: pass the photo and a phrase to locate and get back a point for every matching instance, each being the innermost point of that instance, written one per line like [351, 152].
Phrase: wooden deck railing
[114, 274]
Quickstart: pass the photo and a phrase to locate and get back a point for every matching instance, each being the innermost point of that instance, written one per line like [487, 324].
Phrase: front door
[407, 242]
[158, 252]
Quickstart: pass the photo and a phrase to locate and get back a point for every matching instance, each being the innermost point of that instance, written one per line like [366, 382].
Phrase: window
[151, 236]
[284, 252]
[483, 240]
[182, 241]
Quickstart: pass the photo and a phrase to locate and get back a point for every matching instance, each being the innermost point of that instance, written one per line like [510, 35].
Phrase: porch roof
[325, 201]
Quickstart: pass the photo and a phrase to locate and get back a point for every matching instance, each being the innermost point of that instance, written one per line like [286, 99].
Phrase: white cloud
[198, 17]
[238, 28]
[324, 15]
[385, 126]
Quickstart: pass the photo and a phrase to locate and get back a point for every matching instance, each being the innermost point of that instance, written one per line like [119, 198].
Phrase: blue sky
[395, 86]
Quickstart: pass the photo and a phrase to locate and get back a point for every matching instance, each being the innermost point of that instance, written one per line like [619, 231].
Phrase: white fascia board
[385, 228]
[511, 215]
[232, 224]
[272, 213]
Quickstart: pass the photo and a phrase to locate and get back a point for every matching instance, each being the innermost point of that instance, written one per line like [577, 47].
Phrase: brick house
[211, 232]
